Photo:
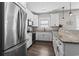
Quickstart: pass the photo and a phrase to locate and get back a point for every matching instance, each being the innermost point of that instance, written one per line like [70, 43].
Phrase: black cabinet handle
[57, 48]
[59, 43]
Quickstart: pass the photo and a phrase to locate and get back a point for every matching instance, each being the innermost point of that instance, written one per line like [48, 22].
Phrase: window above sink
[44, 23]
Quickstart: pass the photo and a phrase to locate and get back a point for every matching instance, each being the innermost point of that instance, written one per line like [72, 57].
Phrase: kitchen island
[66, 42]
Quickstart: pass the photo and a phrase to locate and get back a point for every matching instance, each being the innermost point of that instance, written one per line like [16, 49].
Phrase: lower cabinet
[58, 45]
[55, 47]
[62, 48]
[29, 40]
[44, 36]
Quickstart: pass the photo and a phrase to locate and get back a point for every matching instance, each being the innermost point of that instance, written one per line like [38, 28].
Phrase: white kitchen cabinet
[55, 47]
[58, 45]
[44, 36]
[29, 40]
[54, 19]
[65, 43]
[35, 20]
[64, 48]
[61, 48]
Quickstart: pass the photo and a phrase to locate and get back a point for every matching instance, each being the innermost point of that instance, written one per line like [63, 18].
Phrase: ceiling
[45, 7]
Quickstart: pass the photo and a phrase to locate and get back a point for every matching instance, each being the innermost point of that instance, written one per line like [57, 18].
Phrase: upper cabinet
[35, 20]
[70, 22]
[54, 19]
[29, 15]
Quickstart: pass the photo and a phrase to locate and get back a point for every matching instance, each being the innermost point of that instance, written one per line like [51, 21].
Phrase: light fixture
[70, 13]
[63, 13]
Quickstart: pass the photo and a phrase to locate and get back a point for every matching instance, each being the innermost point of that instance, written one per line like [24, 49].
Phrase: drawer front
[55, 47]
[29, 43]
[44, 36]
[29, 40]
[58, 47]
[61, 48]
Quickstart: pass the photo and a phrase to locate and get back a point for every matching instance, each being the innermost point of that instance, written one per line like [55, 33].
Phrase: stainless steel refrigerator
[13, 40]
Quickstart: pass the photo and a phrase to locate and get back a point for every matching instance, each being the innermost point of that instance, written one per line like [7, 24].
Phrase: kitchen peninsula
[66, 42]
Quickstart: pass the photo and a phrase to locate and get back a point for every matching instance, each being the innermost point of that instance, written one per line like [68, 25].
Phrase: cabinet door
[58, 45]
[44, 36]
[55, 19]
[41, 36]
[55, 47]
[47, 36]
[61, 48]
[36, 36]
[35, 20]
[29, 40]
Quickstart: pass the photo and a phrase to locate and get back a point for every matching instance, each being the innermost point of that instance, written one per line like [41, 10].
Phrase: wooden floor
[40, 48]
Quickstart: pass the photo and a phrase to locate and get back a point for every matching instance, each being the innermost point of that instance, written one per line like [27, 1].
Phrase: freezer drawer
[29, 40]
[19, 50]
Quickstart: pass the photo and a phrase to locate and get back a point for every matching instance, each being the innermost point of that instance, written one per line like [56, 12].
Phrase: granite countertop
[47, 29]
[69, 36]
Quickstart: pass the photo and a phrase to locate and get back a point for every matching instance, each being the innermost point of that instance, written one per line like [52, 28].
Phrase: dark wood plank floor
[40, 48]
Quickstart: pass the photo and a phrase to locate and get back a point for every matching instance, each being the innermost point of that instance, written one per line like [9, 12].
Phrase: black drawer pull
[57, 48]
[59, 43]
